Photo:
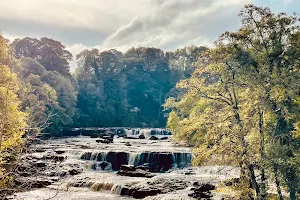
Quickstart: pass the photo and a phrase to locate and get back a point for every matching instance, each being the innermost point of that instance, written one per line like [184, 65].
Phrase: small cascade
[182, 160]
[129, 132]
[116, 189]
[96, 187]
[160, 161]
[157, 131]
[132, 158]
[116, 159]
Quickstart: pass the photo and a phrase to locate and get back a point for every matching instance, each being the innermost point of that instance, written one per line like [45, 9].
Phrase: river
[95, 168]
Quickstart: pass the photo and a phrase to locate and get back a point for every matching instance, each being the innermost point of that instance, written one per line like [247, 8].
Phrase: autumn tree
[261, 58]
[267, 47]
[12, 119]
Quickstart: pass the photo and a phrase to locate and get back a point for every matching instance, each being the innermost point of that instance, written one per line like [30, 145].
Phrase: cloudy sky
[120, 24]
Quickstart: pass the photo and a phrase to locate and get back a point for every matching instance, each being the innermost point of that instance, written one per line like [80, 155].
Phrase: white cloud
[177, 23]
[90, 14]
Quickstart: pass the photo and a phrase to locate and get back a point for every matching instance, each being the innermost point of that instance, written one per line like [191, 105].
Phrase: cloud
[176, 23]
[88, 14]
[165, 24]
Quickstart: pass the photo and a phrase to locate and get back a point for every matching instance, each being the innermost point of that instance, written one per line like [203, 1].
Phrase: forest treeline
[108, 88]
[237, 103]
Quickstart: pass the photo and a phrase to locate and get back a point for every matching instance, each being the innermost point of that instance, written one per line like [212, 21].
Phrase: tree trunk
[263, 190]
[292, 193]
[277, 181]
[254, 183]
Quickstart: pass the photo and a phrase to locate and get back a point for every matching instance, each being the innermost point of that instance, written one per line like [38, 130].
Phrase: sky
[121, 24]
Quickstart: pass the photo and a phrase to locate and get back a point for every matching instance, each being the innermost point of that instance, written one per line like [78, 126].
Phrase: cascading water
[148, 156]
[156, 161]
[116, 189]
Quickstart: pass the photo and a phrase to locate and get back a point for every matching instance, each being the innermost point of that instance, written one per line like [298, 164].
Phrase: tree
[216, 116]
[48, 52]
[12, 119]
[53, 86]
[266, 45]
[259, 60]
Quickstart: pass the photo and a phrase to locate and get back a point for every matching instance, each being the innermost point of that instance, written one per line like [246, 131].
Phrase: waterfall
[129, 132]
[101, 186]
[182, 160]
[155, 161]
[116, 189]
[132, 158]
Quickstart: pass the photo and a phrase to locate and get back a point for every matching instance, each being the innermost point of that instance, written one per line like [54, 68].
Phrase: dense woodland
[237, 102]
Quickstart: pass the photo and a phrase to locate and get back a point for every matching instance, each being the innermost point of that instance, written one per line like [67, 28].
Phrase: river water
[99, 163]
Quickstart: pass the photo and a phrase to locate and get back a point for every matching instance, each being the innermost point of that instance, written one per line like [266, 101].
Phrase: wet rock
[103, 165]
[117, 159]
[201, 191]
[54, 158]
[142, 193]
[32, 182]
[104, 141]
[128, 168]
[108, 137]
[59, 151]
[73, 172]
[39, 150]
[153, 138]
[132, 171]
[128, 144]
[164, 138]
[144, 167]
[121, 132]
[40, 164]
[142, 137]
[136, 173]
[189, 173]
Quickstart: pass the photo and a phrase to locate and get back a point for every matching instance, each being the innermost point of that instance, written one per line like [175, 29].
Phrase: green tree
[48, 52]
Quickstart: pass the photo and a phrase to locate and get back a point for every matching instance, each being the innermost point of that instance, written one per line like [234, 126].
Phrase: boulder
[59, 151]
[128, 144]
[132, 171]
[153, 138]
[102, 165]
[201, 191]
[142, 193]
[164, 138]
[142, 137]
[73, 172]
[128, 168]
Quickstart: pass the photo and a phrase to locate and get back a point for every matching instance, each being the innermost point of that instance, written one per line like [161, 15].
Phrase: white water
[107, 185]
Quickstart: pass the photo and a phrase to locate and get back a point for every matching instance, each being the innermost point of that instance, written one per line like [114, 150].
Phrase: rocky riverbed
[116, 164]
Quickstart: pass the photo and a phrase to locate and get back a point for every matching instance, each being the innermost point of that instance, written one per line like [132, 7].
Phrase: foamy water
[106, 184]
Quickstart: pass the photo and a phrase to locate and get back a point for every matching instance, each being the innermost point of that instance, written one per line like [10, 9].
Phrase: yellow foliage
[12, 120]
